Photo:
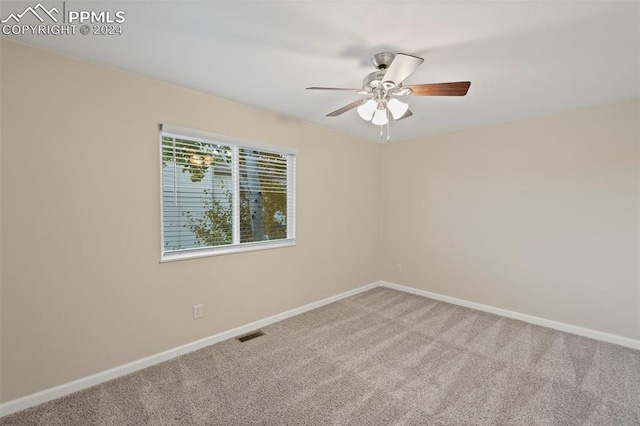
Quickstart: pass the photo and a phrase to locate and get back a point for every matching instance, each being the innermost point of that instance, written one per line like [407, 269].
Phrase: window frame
[236, 144]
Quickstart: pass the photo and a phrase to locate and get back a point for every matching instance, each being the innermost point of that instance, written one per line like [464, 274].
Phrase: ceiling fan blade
[346, 108]
[401, 67]
[331, 88]
[459, 88]
[406, 115]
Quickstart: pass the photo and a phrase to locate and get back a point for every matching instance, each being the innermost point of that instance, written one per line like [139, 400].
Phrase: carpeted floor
[381, 357]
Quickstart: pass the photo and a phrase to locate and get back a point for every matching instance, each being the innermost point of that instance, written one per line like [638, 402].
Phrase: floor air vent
[251, 335]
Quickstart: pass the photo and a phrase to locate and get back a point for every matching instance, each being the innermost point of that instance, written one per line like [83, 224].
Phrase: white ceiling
[523, 58]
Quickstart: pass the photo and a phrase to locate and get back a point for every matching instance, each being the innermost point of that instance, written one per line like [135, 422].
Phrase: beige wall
[539, 216]
[82, 289]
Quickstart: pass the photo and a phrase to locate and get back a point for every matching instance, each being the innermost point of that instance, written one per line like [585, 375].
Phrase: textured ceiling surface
[523, 58]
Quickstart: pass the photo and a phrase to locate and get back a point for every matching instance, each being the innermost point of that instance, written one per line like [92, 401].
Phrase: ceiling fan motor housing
[373, 80]
[376, 79]
[381, 61]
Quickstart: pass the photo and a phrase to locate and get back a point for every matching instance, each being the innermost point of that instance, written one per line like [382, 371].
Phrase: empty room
[320, 213]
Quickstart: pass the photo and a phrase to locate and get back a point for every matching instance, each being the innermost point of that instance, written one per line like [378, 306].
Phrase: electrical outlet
[398, 267]
[197, 312]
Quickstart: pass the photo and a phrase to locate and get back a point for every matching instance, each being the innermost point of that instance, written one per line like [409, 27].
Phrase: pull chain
[388, 127]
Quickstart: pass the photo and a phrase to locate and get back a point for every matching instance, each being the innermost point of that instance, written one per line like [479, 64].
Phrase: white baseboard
[574, 329]
[104, 376]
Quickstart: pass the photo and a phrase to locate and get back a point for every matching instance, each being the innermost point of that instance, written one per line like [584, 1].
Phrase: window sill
[219, 251]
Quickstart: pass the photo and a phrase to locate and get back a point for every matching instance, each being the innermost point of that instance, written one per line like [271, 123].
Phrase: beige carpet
[381, 357]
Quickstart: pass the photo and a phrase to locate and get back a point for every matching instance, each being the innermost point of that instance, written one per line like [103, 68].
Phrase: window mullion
[291, 197]
[235, 179]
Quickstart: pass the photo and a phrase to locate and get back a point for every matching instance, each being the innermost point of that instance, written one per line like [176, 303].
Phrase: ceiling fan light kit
[383, 86]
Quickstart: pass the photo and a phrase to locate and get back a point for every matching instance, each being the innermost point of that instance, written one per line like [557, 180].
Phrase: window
[222, 195]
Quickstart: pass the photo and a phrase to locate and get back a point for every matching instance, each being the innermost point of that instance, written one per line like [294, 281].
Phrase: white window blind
[222, 195]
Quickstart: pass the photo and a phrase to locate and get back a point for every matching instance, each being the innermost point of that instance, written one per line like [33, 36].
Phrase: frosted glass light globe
[397, 108]
[380, 117]
[367, 109]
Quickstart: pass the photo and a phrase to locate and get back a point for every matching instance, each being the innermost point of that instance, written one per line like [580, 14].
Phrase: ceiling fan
[383, 86]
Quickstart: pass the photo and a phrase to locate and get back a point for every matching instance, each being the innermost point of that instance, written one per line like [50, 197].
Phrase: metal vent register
[251, 335]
